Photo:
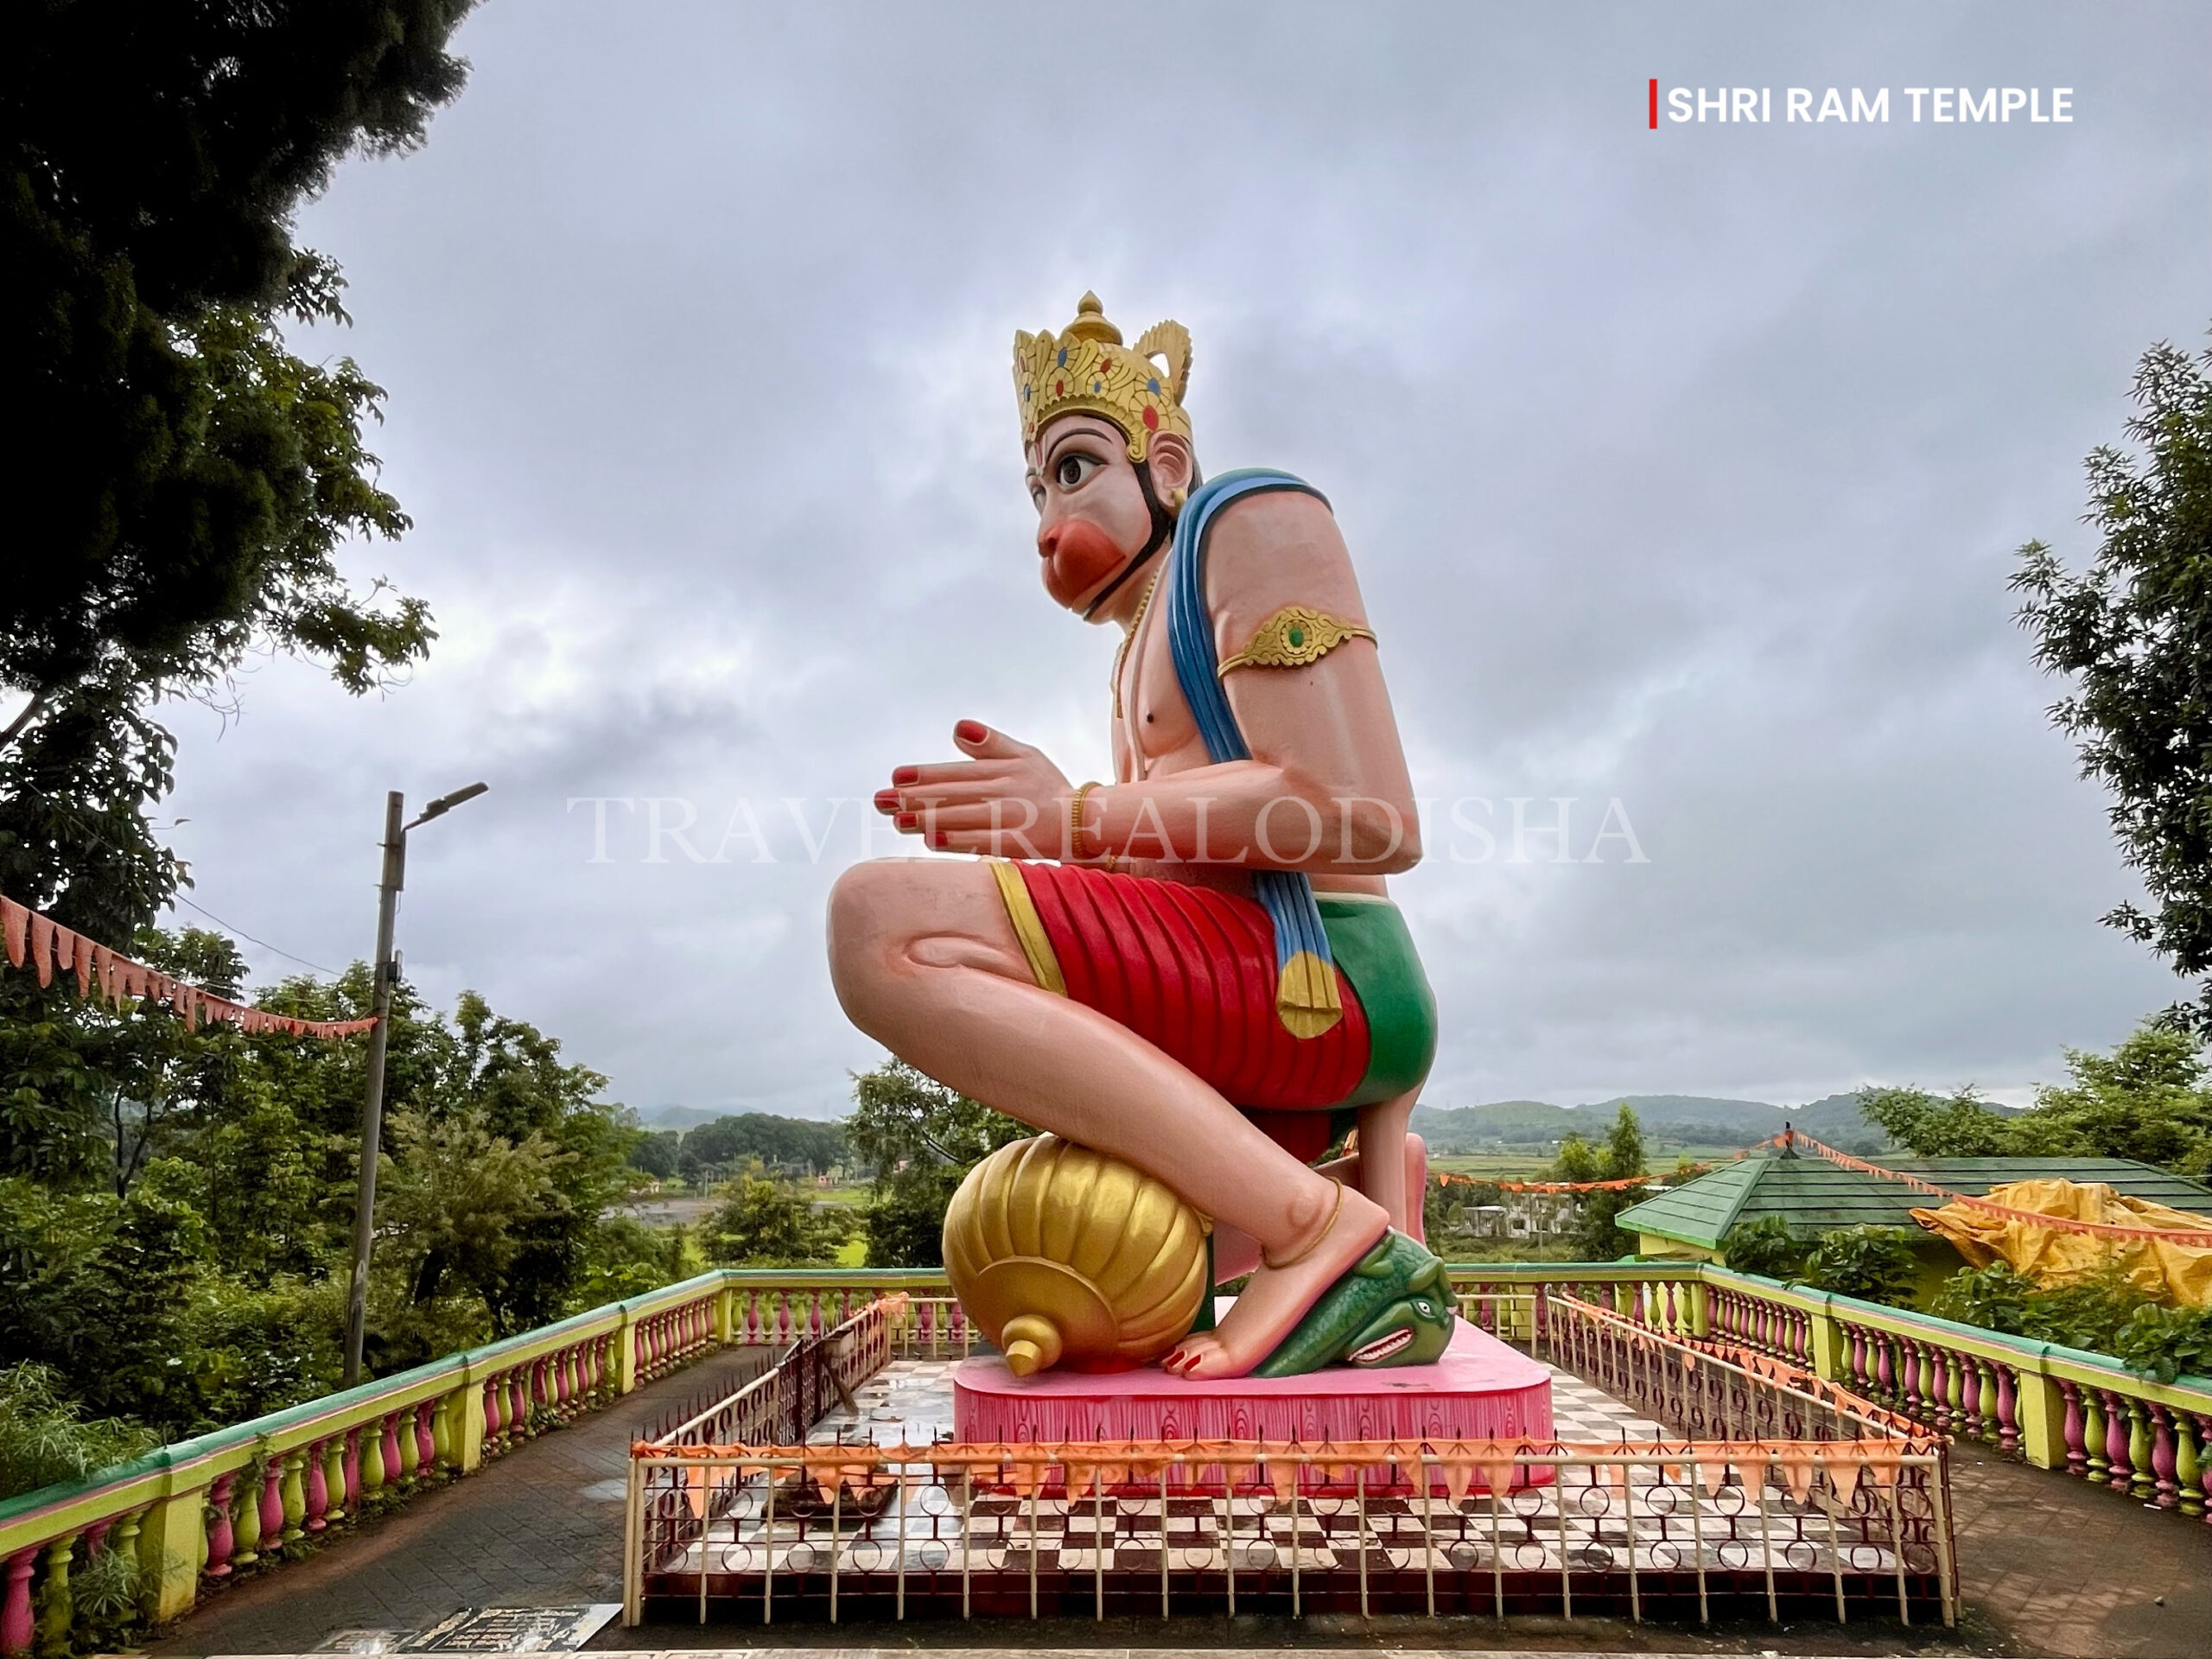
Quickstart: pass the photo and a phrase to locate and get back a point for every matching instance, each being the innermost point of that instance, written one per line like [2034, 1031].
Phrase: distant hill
[1694, 1120]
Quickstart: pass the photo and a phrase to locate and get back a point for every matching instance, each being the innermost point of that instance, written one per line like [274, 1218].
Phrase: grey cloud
[1683, 468]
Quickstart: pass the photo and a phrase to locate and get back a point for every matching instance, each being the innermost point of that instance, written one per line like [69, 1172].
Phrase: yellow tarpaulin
[2174, 1273]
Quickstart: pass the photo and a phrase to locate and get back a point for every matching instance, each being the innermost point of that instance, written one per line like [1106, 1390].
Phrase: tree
[655, 1154]
[177, 482]
[2134, 634]
[2148, 1100]
[1934, 1125]
[795, 1145]
[762, 1222]
[1595, 1237]
[921, 1139]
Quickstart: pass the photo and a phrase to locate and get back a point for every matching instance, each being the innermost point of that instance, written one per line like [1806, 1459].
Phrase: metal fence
[1784, 1495]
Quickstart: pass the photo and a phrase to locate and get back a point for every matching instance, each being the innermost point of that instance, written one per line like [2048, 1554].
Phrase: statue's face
[1091, 515]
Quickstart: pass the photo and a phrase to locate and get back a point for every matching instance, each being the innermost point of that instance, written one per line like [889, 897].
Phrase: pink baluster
[222, 1539]
[318, 1489]
[1969, 1424]
[426, 1441]
[389, 1447]
[814, 1326]
[1886, 1370]
[492, 1417]
[2077, 1450]
[517, 1405]
[17, 1629]
[272, 1506]
[1909, 1383]
[2117, 1423]
[2008, 1423]
[783, 1321]
[2163, 1459]
[352, 1468]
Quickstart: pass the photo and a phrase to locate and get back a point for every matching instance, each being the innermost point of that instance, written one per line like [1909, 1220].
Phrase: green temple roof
[1814, 1196]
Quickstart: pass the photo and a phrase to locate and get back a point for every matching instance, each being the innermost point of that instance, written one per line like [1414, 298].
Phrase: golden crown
[1086, 368]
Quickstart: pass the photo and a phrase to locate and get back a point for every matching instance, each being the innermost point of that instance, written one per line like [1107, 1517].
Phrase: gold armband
[1296, 636]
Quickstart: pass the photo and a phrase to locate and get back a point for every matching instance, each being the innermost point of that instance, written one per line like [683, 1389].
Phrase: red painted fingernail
[887, 800]
[902, 776]
[938, 838]
[908, 821]
[971, 731]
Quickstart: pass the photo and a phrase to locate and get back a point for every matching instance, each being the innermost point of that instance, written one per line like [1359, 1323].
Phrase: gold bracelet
[1074, 821]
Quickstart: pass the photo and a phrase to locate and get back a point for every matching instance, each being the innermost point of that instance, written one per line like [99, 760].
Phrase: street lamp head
[446, 803]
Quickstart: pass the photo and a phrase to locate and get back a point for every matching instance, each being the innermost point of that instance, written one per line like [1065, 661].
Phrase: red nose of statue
[1078, 556]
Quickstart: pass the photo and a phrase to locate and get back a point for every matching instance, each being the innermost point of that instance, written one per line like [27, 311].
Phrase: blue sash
[1305, 981]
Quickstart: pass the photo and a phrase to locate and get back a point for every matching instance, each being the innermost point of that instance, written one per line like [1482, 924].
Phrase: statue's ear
[1168, 454]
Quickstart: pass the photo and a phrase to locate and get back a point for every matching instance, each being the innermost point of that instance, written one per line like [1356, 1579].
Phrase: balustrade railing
[195, 1515]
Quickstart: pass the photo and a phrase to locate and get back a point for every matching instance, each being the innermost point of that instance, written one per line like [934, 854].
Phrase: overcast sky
[1684, 468]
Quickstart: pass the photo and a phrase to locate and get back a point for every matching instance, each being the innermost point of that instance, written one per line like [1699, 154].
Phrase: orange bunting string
[39, 941]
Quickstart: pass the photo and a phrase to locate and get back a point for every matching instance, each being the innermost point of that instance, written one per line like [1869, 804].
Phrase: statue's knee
[864, 906]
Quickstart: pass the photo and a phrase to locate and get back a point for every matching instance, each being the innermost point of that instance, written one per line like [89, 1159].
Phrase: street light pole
[387, 974]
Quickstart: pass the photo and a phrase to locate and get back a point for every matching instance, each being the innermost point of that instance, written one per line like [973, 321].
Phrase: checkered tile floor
[1666, 1524]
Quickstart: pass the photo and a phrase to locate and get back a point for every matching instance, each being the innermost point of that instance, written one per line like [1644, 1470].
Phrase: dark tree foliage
[656, 1151]
[789, 1145]
[176, 1207]
[2148, 1099]
[764, 1222]
[1618, 1157]
[177, 483]
[2134, 633]
[922, 1139]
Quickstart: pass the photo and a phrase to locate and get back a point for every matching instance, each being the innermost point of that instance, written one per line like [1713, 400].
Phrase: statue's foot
[1276, 1299]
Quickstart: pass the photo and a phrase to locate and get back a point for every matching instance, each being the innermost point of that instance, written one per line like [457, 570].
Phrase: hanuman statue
[1207, 979]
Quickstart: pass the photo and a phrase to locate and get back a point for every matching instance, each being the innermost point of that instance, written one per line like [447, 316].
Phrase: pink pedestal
[1480, 1390]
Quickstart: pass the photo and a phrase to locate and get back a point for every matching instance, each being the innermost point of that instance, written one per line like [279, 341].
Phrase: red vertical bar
[1655, 104]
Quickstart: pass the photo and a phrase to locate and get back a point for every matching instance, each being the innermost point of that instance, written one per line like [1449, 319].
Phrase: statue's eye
[1071, 470]
[1421, 1307]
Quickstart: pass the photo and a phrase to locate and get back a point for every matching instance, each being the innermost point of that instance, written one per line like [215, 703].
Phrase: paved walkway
[2051, 1569]
[540, 1527]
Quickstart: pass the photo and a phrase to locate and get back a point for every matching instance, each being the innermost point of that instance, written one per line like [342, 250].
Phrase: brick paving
[2049, 1568]
[2063, 1569]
